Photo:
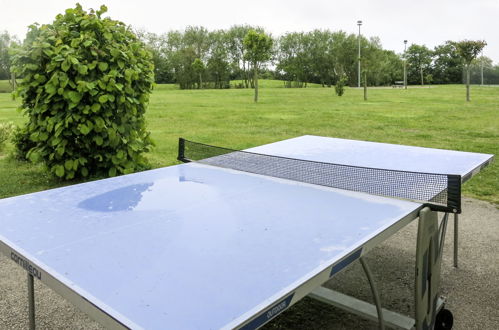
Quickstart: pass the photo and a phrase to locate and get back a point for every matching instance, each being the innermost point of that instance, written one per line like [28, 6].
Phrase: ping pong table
[202, 245]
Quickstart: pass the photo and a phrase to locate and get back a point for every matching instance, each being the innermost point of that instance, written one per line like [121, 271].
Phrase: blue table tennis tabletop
[193, 246]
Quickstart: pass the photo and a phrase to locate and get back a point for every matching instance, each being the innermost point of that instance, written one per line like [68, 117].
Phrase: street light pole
[405, 65]
[481, 60]
[359, 23]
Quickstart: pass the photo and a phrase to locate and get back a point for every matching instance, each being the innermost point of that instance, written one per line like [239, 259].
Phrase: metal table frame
[430, 242]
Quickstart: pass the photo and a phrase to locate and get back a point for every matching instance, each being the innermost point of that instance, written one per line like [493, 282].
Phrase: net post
[454, 193]
[181, 150]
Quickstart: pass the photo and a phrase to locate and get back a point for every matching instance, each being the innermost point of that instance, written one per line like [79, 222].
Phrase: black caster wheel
[444, 320]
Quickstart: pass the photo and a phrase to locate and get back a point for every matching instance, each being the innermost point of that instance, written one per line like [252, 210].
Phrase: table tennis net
[442, 192]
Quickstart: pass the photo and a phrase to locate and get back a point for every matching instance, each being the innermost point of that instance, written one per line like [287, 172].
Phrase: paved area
[472, 289]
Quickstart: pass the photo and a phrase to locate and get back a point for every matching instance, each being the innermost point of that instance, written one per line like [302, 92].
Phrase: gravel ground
[472, 290]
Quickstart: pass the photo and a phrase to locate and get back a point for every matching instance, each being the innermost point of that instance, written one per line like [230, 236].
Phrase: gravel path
[472, 290]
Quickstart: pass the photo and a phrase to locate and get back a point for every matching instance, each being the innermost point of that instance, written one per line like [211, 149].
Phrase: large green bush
[86, 83]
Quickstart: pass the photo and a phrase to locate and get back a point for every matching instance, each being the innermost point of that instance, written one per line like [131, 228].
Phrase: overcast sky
[429, 22]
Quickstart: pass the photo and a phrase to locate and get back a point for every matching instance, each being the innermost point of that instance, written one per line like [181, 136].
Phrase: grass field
[436, 117]
[5, 86]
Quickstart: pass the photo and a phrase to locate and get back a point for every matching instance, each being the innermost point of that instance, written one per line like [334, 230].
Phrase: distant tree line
[198, 58]
[444, 65]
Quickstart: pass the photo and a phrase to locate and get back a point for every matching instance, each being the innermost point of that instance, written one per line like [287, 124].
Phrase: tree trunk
[422, 81]
[468, 83]
[365, 86]
[245, 74]
[255, 78]
[200, 81]
[13, 81]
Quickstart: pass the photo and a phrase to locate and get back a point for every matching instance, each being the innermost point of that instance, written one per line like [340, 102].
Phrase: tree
[218, 66]
[321, 56]
[479, 65]
[5, 40]
[447, 64]
[85, 87]
[383, 67]
[181, 56]
[339, 88]
[8, 44]
[198, 38]
[257, 50]
[469, 50]
[347, 49]
[236, 35]
[156, 45]
[198, 67]
[293, 59]
[419, 59]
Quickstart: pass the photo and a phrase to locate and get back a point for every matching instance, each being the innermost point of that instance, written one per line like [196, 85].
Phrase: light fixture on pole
[405, 65]
[359, 23]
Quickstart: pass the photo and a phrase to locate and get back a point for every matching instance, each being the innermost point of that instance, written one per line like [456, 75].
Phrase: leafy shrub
[86, 83]
[339, 88]
[6, 130]
[23, 144]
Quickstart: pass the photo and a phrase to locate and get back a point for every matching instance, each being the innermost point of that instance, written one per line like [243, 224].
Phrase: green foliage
[198, 67]
[257, 47]
[469, 49]
[193, 57]
[86, 83]
[318, 56]
[490, 71]
[447, 64]
[6, 130]
[22, 142]
[235, 47]
[419, 59]
[6, 41]
[339, 88]
[257, 50]
[323, 56]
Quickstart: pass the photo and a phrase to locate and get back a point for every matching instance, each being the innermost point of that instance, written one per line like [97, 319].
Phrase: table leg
[31, 302]
[456, 234]
[375, 294]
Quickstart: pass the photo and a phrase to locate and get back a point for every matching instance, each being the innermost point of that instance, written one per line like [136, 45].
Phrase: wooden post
[365, 86]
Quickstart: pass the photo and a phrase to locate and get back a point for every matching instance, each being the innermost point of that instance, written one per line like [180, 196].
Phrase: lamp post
[405, 65]
[481, 67]
[359, 23]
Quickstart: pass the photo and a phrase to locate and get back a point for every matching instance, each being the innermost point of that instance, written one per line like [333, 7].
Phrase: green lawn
[436, 117]
[5, 86]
